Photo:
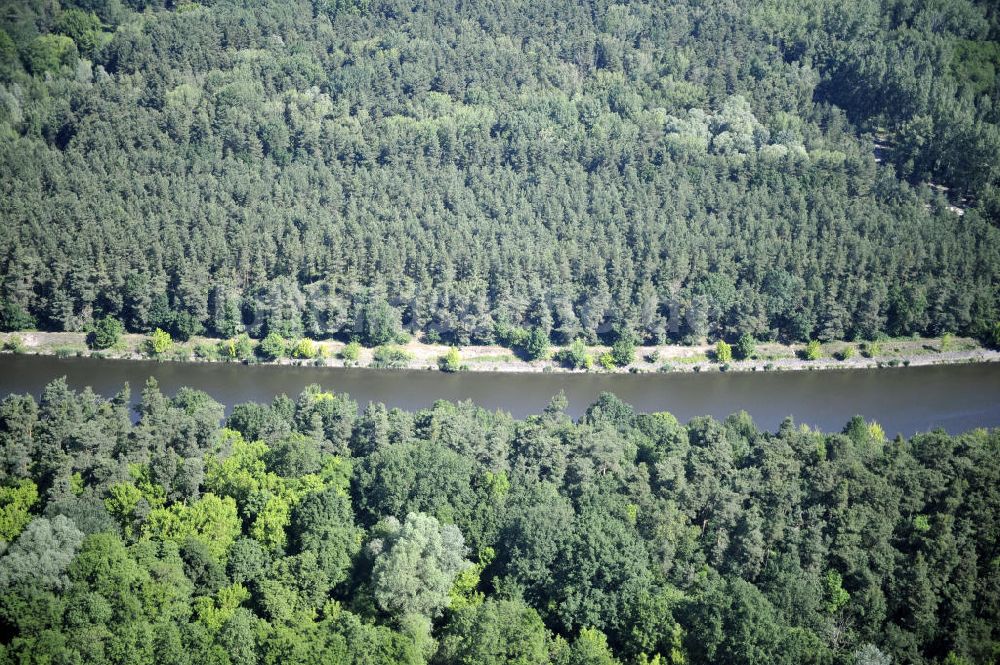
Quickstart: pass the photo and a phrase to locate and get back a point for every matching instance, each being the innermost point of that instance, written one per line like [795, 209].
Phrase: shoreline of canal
[419, 356]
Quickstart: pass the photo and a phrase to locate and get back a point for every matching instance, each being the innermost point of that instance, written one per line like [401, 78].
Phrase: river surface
[903, 400]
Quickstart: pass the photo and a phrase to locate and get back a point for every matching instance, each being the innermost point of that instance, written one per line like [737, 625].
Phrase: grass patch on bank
[495, 358]
[691, 360]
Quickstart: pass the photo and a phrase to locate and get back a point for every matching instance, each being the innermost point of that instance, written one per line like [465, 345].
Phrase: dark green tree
[105, 333]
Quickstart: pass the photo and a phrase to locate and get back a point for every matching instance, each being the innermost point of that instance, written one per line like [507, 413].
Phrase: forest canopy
[310, 530]
[676, 171]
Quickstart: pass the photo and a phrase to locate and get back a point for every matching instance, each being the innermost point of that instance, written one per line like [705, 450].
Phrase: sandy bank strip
[902, 352]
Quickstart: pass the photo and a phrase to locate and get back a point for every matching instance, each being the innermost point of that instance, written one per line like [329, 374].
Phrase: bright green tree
[159, 342]
[239, 347]
[450, 362]
[83, 27]
[15, 502]
[304, 348]
[49, 53]
[835, 596]
[214, 612]
[121, 502]
[212, 520]
[591, 648]
[351, 351]
[723, 352]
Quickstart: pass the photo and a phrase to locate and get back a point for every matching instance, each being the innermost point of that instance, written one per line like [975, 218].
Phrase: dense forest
[307, 531]
[682, 171]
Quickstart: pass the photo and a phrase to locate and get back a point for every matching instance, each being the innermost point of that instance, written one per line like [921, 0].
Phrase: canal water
[904, 400]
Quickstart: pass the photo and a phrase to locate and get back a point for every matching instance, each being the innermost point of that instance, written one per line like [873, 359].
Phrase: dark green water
[904, 400]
